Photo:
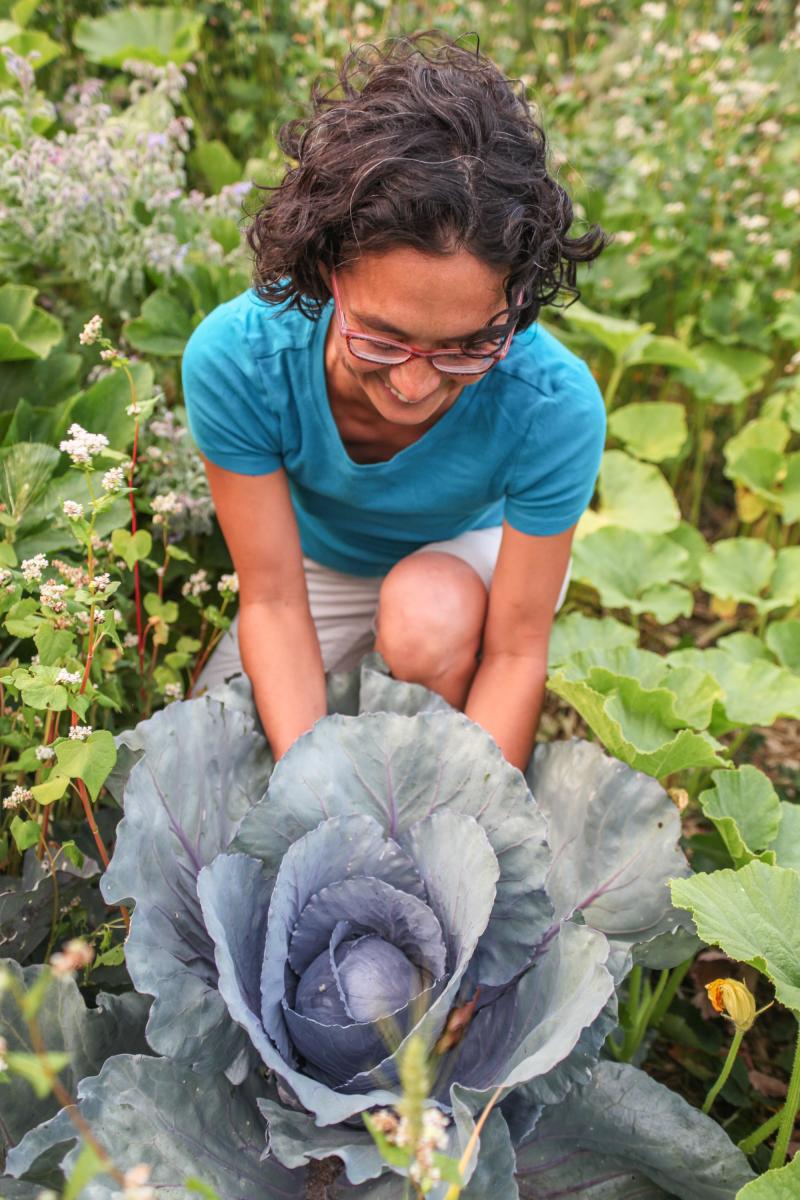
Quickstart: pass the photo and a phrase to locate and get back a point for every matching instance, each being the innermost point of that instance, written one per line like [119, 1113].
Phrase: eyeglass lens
[455, 364]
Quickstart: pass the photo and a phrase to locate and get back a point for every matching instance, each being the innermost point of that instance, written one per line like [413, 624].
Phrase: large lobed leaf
[754, 689]
[783, 1184]
[638, 725]
[753, 914]
[156, 35]
[745, 809]
[633, 495]
[643, 572]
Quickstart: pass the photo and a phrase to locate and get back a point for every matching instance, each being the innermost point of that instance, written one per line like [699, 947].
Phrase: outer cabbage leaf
[523, 1105]
[490, 1171]
[295, 1139]
[155, 1111]
[26, 903]
[88, 1035]
[19, 1189]
[625, 1136]
[399, 771]
[379, 692]
[613, 833]
[202, 770]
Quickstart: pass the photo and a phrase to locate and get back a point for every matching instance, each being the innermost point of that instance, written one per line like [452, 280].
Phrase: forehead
[422, 296]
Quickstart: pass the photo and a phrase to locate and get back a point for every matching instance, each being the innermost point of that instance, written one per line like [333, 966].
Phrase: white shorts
[344, 607]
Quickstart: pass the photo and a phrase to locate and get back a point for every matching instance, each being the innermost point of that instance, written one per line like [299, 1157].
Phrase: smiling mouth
[402, 399]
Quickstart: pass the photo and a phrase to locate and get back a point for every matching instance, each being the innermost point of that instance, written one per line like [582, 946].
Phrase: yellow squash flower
[734, 1000]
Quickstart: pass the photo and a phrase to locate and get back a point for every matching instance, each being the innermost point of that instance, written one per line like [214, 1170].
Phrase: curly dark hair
[423, 143]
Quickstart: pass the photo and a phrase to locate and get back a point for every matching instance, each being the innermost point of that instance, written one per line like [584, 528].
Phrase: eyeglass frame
[411, 351]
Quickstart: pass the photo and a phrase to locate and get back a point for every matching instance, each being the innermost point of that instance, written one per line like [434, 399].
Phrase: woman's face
[427, 301]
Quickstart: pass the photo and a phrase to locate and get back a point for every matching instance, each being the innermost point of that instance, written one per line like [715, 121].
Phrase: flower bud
[734, 1000]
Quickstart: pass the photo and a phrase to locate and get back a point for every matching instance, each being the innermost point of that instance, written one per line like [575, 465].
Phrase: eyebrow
[384, 326]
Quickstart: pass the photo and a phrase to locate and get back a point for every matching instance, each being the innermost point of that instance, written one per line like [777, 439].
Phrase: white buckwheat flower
[164, 505]
[79, 733]
[73, 510]
[173, 691]
[70, 678]
[113, 479]
[76, 954]
[720, 258]
[197, 584]
[229, 583]
[45, 753]
[18, 797]
[100, 583]
[81, 445]
[51, 595]
[32, 568]
[92, 331]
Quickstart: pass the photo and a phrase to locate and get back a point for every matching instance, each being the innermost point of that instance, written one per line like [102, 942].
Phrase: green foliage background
[123, 192]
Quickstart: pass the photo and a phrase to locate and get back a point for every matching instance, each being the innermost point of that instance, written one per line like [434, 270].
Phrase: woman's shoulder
[544, 367]
[544, 387]
[247, 327]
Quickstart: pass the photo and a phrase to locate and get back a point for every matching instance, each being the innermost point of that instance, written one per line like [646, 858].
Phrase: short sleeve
[229, 414]
[556, 469]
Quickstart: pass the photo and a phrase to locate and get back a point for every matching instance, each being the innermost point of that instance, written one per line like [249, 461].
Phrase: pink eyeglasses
[391, 353]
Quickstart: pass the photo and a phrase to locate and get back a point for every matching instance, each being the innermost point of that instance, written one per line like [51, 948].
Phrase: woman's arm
[278, 641]
[508, 689]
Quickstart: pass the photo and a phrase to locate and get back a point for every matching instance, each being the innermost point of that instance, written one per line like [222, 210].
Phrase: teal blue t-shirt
[523, 443]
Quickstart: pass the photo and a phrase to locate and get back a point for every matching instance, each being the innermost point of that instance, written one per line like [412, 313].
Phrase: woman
[397, 454]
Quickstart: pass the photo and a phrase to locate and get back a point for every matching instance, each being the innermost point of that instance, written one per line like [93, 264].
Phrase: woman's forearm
[506, 700]
[281, 655]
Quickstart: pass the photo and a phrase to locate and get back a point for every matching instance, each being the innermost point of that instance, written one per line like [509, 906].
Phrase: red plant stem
[50, 732]
[137, 591]
[87, 808]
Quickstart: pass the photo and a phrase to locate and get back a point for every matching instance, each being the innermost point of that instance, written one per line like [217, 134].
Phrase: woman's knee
[431, 614]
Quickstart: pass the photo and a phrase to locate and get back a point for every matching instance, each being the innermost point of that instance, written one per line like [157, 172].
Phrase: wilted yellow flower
[734, 1000]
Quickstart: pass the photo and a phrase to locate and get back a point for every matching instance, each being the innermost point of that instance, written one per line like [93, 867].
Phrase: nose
[415, 380]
